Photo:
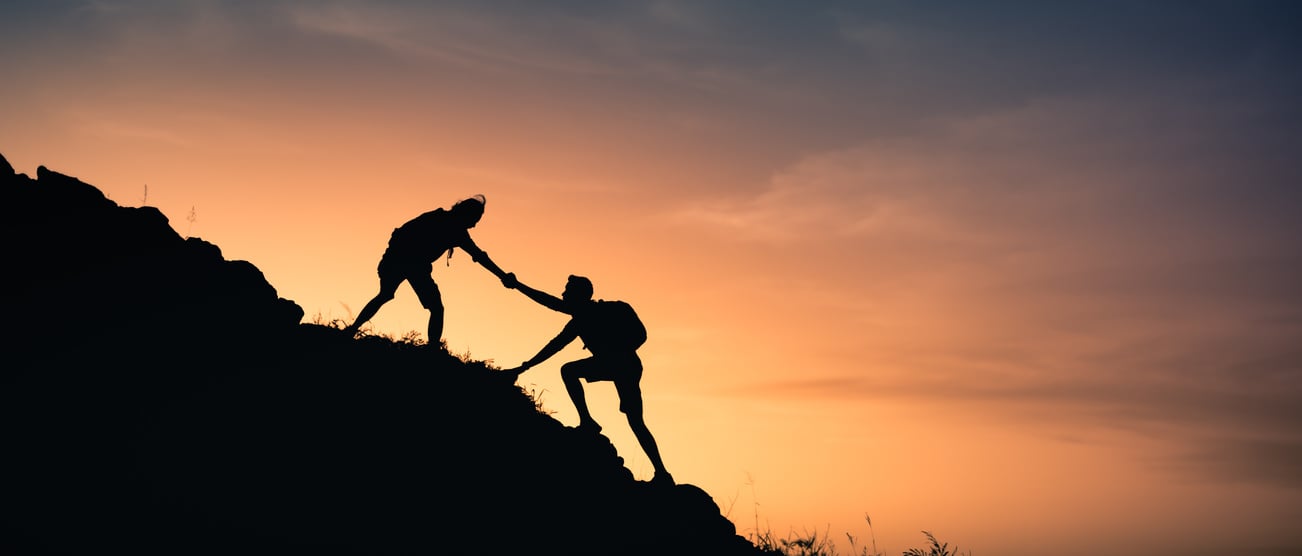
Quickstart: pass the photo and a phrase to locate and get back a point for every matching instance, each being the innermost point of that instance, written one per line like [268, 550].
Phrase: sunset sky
[1025, 275]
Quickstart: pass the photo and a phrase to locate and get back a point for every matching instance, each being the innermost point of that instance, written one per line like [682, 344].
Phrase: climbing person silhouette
[614, 356]
[413, 248]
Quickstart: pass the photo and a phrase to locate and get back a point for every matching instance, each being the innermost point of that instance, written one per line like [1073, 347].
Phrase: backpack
[426, 237]
[617, 325]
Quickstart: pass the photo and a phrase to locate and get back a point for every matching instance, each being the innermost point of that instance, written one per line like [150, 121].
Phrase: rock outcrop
[160, 399]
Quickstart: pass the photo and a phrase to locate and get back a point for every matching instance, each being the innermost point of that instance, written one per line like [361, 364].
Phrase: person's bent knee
[428, 294]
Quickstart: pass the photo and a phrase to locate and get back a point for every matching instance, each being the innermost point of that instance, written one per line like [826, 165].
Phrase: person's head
[577, 288]
[468, 211]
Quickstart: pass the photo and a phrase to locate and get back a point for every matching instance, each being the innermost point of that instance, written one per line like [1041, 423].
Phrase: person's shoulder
[588, 311]
[428, 216]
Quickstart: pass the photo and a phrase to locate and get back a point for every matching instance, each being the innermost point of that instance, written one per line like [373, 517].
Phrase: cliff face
[158, 398]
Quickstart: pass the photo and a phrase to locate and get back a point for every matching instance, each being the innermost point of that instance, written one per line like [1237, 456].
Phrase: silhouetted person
[614, 356]
[410, 257]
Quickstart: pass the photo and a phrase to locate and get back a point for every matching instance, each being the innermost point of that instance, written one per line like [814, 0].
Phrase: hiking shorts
[394, 270]
[624, 370]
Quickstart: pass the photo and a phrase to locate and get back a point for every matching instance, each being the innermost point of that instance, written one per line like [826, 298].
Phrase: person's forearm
[488, 263]
[536, 359]
[552, 348]
[542, 298]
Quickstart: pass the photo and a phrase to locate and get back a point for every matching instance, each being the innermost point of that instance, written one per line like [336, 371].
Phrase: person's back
[428, 236]
[610, 327]
[612, 331]
[413, 248]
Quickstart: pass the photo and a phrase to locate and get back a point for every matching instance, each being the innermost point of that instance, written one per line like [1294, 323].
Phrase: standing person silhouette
[613, 359]
[410, 257]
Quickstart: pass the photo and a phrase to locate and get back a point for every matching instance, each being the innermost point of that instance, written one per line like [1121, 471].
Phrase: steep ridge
[160, 399]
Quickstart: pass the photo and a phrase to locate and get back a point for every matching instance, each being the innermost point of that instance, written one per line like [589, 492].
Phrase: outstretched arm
[480, 256]
[567, 335]
[540, 297]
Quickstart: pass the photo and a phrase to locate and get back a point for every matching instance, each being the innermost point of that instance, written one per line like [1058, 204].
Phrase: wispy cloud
[1120, 173]
[1087, 266]
[1207, 429]
[616, 40]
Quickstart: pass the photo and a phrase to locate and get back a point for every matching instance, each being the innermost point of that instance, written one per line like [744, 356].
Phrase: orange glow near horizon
[720, 332]
[1020, 325]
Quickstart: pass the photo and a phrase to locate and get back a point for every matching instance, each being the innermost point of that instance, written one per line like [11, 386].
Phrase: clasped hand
[514, 373]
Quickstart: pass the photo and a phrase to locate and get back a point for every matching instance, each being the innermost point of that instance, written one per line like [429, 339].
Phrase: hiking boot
[662, 478]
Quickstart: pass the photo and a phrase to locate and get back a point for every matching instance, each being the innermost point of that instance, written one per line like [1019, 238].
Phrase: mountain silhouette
[160, 399]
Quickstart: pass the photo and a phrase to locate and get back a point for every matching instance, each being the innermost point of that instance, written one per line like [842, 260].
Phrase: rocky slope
[160, 399]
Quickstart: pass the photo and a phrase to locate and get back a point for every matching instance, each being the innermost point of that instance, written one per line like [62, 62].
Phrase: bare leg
[569, 375]
[388, 288]
[648, 442]
[435, 329]
[431, 299]
[369, 311]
